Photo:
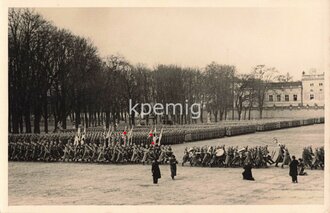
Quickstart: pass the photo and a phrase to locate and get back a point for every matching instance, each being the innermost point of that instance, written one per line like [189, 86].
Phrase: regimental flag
[124, 136]
[160, 136]
[104, 134]
[109, 133]
[78, 132]
[150, 135]
[77, 137]
[83, 136]
[130, 136]
[154, 138]
[112, 138]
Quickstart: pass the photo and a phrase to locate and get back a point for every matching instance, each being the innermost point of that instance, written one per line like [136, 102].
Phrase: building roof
[285, 84]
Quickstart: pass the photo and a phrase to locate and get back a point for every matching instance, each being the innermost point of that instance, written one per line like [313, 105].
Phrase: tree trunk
[239, 111]
[221, 115]
[21, 123]
[86, 120]
[77, 116]
[98, 119]
[64, 121]
[9, 121]
[215, 113]
[37, 117]
[225, 118]
[133, 118]
[45, 116]
[95, 119]
[27, 120]
[107, 119]
[15, 122]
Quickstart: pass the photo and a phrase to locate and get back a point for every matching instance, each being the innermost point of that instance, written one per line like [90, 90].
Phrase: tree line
[56, 75]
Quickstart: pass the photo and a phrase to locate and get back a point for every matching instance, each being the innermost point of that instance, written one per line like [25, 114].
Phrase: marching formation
[219, 156]
[117, 148]
[53, 151]
[313, 160]
[256, 157]
[113, 147]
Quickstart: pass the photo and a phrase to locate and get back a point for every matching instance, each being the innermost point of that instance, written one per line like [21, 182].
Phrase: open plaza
[41, 183]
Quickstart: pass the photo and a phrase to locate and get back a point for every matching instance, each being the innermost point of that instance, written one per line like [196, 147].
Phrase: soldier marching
[220, 156]
[113, 149]
[120, 147]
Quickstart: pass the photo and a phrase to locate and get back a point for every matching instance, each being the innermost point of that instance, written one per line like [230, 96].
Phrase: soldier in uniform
[173, 163]
[247, 174]
[294, 169]
[145, 154]
[286, 158]
[155, 171]
[302, 167]
[279, 157]
[185, 157]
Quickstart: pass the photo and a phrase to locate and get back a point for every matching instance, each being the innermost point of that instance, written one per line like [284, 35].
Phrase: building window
[295, 97]
[286, 97]
[278, 97]
[311, 84]
[311, 96]
[320, 84]
[321, 90]
[312, 90]
[271, 98]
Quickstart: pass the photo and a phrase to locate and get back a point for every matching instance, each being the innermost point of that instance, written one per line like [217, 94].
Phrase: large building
[284, 94]
[307, 92]
[313, 89]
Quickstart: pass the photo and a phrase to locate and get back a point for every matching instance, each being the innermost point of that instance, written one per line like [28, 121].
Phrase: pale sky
[290, 39]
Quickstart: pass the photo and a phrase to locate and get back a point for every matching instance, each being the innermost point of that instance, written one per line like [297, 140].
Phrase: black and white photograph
[166, 105]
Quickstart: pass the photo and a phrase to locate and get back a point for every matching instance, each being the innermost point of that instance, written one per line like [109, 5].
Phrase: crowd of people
[256, 157]
[313, 160]
[117, 151]
[220, 156]
[56, 150]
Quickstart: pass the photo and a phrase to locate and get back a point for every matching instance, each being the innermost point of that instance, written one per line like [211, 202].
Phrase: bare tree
[284, 78]
[263, 76]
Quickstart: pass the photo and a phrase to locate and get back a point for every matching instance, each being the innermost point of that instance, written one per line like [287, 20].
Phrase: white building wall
[281, 93]
[313, 90]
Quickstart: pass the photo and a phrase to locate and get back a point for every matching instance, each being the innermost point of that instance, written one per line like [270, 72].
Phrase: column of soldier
[257, 157]
[107, 150]
[115, 150]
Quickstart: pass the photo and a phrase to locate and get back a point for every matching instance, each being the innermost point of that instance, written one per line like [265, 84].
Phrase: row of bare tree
[55, 75]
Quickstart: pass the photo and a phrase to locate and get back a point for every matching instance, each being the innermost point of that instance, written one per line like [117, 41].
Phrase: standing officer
[173, 163]
[155, 171]
[294, 169]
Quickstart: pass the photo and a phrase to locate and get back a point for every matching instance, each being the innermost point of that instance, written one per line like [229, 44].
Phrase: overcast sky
[290, 39]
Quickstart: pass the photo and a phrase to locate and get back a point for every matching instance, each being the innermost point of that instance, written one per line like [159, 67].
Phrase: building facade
[309, 92]
[313, 89]
[284, 94]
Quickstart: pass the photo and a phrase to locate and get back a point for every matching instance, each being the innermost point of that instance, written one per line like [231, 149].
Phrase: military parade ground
[165, 106]
[60, 183]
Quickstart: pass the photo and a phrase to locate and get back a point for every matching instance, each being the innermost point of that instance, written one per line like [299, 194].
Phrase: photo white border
[321, 5]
